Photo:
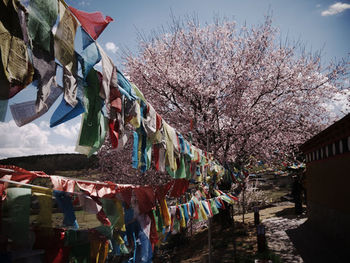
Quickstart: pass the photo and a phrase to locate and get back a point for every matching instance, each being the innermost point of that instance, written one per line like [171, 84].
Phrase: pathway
[278, 239]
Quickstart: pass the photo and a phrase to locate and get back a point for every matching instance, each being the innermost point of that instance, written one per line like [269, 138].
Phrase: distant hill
[51, 163]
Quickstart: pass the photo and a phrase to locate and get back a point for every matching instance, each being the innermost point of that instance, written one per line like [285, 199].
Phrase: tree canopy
[238, 90]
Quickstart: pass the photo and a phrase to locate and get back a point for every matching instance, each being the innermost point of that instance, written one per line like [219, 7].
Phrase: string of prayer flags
[93, 23]
[109, 101]
[129, 212]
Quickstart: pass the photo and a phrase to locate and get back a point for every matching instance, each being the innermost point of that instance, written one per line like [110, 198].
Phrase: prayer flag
[94, 124]
[90, 55]
[42, 17]
[64, 38]
[93, 23]
[107, 75]
[45, 71]
[65, 112]
[25, 112]
[15, 70]
[17, 223]
[45, 201]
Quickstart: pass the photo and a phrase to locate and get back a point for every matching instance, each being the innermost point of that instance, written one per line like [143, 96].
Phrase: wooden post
[191, 227]
[243, 205]
[256, 216]
[209, 219]
[233, 217]
[209, 238]
[261, 238]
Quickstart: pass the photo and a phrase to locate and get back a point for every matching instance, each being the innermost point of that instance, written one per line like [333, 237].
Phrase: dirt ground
[238, 242]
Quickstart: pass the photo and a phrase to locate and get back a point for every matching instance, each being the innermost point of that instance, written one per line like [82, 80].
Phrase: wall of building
[328, 195]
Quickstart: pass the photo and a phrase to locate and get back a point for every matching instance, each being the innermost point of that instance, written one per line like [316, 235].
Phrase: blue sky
[319, 24]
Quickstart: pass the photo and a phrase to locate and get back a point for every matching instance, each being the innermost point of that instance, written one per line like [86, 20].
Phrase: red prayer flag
[113, 132]
[179, 188]
[93, 23]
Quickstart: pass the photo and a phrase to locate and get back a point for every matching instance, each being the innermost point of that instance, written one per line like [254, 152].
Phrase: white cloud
[342, 102]
[69, 132]
[29, 139]
[44, 124]
[339, 105]
[99, 64]
[54, 29]
[84, 3]
[336, 8]
[110, 46]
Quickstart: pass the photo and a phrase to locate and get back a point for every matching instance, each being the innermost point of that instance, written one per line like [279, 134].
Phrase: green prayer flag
[91, 134]
[158, 219]
[16, 215]
[176, 225]
[42, 15]
[87, 150]
[213, 206]
[106, 231]
[181, 169]
[110, 208]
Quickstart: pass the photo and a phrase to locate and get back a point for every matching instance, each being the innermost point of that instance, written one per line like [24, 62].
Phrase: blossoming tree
[237, 89]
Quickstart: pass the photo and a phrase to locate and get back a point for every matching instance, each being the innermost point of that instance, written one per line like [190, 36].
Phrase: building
[328, 180]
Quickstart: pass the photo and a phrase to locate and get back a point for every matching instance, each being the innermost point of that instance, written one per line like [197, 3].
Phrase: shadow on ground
[312, 246]
[234, 243]
[289, 213]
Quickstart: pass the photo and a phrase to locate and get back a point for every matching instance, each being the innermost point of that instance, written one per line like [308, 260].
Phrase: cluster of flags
[132, 218]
